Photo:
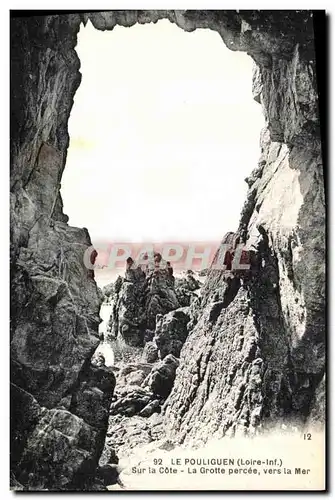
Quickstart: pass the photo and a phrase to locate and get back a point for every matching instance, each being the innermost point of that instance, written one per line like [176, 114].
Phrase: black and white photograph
[168, 288]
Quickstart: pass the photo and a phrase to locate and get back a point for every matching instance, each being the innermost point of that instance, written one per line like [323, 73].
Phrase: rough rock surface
[253, 359]
[161, 378]
[256, 355]
[92, 399]
[130, 401]
[133, 420]
[133, 374]
[171, 332]
[51, 449]
[125, 434]
[186, 287]
[136, 301]
[150, 352]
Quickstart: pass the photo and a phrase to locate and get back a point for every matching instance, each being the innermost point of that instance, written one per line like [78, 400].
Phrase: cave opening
[163, 132]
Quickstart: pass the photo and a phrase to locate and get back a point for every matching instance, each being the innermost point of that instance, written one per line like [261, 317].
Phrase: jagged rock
[43, 441]
[112, 292]
[185, 288]
[150, 352]
[59, 438]
[148, 336]
[317, 416]
[124, 353]
[203, 272]
[133, 374]
[161, 378]
[161, 297]
[25, 414]
[92, 399]
[243, 327]
[128, 434]
[125, 434]
[152, 407]
[171, 332]
[188, 281]
[131, 313]
[140, 297]
[131, 401]
[108, 474]
[98, 359]
[185, 297]
[14, 484]
[257, 84]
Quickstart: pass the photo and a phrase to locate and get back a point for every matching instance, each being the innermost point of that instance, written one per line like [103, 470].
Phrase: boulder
[188, 281]
[131, 315]
[109, 474]
[130, 401]
[150, 352]
[160, 380]
[92, 399]
[51, 449]
[137, 300]
[171, 332]
[152, 407]
[132, 374]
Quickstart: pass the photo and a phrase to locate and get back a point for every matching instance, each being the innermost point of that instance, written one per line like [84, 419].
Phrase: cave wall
[260, 363]
[255, 362]
[270, 337]
[57, 440]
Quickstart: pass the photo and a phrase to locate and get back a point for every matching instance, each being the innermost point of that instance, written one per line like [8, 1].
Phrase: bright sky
[163, 132]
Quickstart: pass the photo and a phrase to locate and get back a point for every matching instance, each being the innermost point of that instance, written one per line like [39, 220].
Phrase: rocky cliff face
[136, 300]
[255, 360]
[256, 353]
[260, 362]
[55, 303]
[141, 298]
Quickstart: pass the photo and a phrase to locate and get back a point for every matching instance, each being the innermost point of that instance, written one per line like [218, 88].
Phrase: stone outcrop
[161, 378]
[150, 352]
[133, 374]
[136, 301]
[125, 434]
[186, 288]
[137, 400]
[51, 449]
[146, 311]
[130, 401]
[171, 332]
[256, 353]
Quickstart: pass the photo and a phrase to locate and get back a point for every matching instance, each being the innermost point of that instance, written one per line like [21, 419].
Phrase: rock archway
[272, 362]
